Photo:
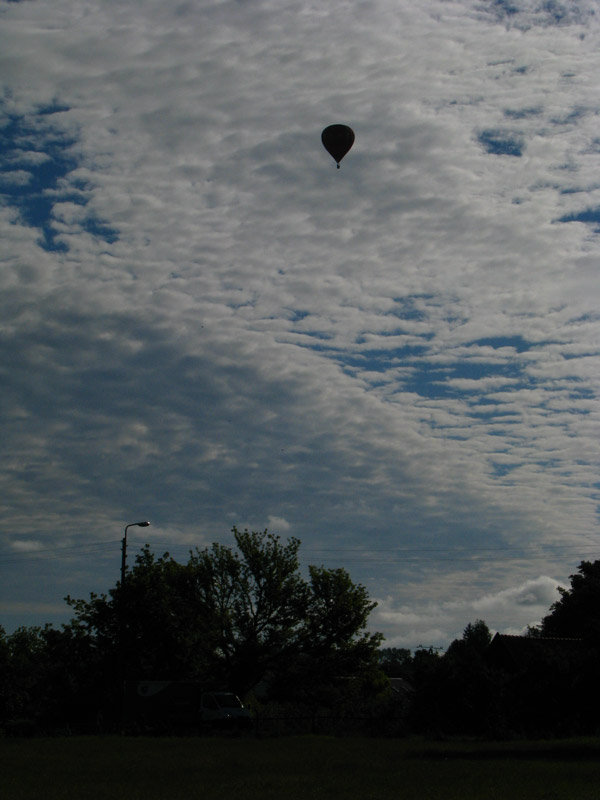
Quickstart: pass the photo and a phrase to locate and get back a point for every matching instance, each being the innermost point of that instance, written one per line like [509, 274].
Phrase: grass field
[111, 768]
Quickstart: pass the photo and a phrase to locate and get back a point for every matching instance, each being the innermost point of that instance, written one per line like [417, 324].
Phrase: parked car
[180, 705]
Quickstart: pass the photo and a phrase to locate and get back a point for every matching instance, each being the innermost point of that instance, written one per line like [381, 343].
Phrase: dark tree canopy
[228, 616]
[475, 639]
[577, 613]
[396, 662]
[244, 616]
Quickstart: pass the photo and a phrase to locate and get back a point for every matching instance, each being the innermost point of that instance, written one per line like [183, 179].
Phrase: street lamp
[124, 547]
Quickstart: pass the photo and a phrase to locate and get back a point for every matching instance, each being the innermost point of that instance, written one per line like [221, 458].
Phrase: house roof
[400, 686]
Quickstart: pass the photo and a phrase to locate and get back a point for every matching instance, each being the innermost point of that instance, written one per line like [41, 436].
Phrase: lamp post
[124, 547]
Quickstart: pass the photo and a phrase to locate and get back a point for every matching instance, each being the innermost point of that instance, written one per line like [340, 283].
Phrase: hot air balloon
[337, 140]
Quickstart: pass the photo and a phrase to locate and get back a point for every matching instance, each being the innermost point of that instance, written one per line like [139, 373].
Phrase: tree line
[541, 684]
[243, 619]
[229, 618]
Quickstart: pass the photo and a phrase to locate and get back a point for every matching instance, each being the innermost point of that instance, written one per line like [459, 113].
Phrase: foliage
[253, 604]
[228, 618]
[332, 643]
[244, 617]
[20, 655]
[454, 690]
[45, 675]
[396, 662]
[577, 613]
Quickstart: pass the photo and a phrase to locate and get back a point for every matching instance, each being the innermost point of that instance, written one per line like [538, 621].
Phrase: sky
[204, 323]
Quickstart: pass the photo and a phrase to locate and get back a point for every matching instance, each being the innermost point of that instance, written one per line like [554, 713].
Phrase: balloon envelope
[337, 140]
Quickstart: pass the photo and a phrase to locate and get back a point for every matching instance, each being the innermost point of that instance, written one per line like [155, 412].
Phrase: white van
[184, 704]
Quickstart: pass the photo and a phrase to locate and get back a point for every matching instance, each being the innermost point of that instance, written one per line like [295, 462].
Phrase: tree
[475, 639]
[40, 673]
[396, 662]
[228, 616]
[331, 644]
[577, 613]
[573, 668]
[457, 695]
[336, 613]
[19, 653]
[149, 626]
[256, 600]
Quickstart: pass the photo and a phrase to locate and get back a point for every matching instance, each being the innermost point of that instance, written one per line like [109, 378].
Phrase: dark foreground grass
[114, 768]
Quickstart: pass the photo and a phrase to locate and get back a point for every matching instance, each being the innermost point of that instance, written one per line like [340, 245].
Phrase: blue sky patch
[297, 315]
[407, 308]
[501, 143]
[504, 8]
[570, 118]
[100, 230]
[36, 157]
[431, 380]
[590, 216]
[383, 360]
[501, 470]
[497, 342]
[522, 113]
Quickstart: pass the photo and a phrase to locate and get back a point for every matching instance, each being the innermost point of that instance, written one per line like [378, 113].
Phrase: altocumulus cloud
[432, 625]
[204, 323]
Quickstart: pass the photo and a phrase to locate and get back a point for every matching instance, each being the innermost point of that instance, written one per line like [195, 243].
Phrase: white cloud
[26, 545]
[278, 525]
[16, 177]
[536, 593]
[509, 610]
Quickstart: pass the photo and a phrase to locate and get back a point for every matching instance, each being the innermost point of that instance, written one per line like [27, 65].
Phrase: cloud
[16, 177]
[204, 322]
[278, 525]
[26, 546]
[536, 593]
[509, 610]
